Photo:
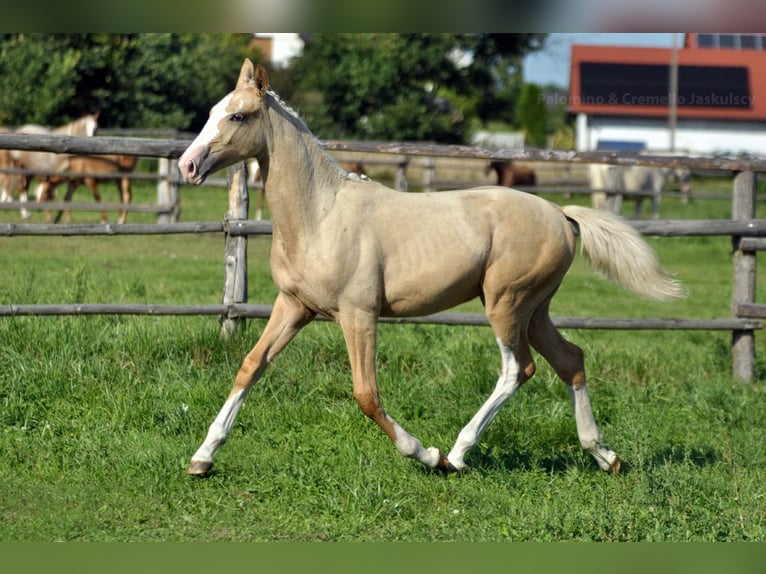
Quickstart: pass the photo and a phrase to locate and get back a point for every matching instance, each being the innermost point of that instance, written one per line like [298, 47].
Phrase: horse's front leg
[360, 332]
[126, 195]
[71, 187]
[287, 318]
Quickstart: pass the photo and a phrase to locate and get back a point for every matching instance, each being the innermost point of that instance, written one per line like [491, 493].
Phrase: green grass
[99, 415]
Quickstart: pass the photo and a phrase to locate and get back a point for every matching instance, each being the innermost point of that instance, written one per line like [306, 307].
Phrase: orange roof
[634, 81]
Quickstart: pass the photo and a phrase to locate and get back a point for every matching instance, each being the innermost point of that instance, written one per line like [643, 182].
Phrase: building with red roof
[623, 97]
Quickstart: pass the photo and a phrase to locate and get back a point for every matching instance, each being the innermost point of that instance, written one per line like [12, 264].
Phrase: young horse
[354, 250]
[47, 161]
[254, 176]
[118, 165]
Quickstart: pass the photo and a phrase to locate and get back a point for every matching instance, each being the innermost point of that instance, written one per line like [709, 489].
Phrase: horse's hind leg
[517, 367]
[287, 318]
[93, 187]
[567, 360]
[511, 378]
[70, 189]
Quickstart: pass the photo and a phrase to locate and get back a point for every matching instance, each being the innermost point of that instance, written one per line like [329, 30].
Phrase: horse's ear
[245, 74]
[261, 80]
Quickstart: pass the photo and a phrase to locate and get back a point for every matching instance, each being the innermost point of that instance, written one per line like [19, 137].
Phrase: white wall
[696, 137]
[283, 46]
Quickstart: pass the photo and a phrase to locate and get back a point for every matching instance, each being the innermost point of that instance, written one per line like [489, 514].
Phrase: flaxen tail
[618, 252]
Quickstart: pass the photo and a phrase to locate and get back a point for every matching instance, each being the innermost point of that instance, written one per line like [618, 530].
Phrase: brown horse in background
[97, 165]
[510, 175]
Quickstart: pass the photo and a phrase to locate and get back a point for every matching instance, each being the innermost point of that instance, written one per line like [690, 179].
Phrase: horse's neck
[299, 177]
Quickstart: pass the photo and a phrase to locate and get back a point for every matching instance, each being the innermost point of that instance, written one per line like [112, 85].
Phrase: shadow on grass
[560, 463]
[520, 461]
[679, 454]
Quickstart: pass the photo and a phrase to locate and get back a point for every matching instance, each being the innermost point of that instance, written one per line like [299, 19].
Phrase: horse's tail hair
[619, 253]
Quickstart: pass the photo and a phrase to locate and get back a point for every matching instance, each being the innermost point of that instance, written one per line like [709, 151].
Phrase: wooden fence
[748, 234]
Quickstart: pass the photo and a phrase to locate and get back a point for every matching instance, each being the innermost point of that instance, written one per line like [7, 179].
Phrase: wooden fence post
[429, 174]
[743, 283]
[235, 251]
[400, 180]
[167, 190]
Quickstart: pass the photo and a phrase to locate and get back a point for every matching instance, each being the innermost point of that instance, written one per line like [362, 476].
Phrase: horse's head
[90, 123]
[85, 126]
[232, 132]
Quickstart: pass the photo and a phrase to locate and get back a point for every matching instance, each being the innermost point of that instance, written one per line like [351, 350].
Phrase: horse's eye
[237, 117]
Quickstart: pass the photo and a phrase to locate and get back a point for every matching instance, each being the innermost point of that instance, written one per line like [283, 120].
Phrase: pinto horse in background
[41, 161]
[120, 166]
[354, 250]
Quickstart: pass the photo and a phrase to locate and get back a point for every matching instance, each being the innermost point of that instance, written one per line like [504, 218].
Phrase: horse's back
[483, 209]
[435, 249]
[32, 129]
[102, 164]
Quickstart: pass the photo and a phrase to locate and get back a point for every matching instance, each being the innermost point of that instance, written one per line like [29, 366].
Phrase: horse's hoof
[444, 465]
[199, 468]
[614, 468]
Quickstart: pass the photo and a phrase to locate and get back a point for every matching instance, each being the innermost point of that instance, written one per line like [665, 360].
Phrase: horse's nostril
[188, 167]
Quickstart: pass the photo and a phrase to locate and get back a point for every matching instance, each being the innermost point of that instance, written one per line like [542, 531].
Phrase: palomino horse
[118, 166]
[634, 181]
[354, 250]
[43, 161]
[254, 176]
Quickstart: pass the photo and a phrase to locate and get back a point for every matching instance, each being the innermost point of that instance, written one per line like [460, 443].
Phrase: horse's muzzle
[188, 165]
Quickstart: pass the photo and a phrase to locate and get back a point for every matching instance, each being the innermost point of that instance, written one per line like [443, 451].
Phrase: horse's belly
[431, 288]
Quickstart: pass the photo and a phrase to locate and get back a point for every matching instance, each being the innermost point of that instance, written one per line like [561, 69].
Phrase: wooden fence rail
[748, 234]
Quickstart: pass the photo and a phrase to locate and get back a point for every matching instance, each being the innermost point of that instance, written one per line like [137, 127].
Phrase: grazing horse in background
[254, 176]
[43, 161]
[353, 250]
[102, 165]
[509, 174]
[634, 181]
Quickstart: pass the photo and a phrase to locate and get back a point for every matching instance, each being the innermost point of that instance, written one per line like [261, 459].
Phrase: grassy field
[99, 415]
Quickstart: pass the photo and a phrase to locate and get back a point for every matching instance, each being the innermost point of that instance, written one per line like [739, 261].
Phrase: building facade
[706, 97]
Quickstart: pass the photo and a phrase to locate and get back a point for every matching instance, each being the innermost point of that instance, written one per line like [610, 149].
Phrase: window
[732, 41]
[728, 41]
[649, 85]
[707, 41]
[750, 42]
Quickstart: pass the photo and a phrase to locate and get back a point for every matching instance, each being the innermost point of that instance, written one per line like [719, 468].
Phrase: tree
[39, 74]
[531, 115]
[133, 80]
[436, 87]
